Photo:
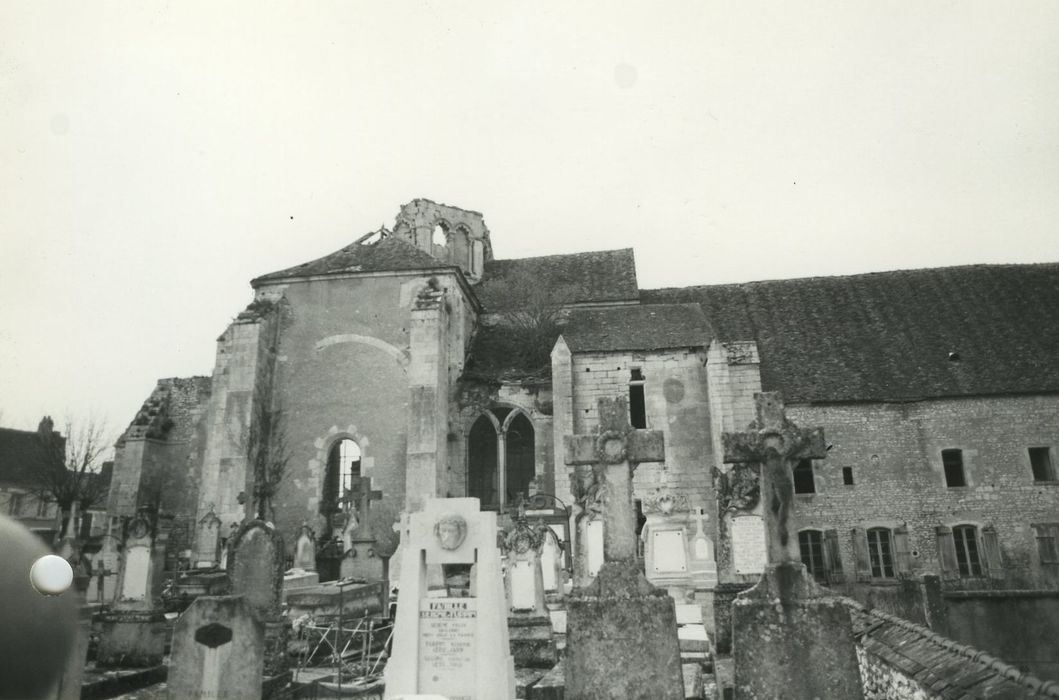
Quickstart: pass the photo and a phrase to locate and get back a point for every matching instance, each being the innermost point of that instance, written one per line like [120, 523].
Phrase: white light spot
[51, 575]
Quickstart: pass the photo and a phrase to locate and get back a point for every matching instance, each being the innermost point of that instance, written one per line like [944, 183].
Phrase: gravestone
[132, 633]
[255, 570]
[359, 558]
[453, 647]
[677, 552]
[621, 630]
[207, 541]
[305, 549]
[749, 551]
[790, 638]
[552, 561]
[529, 625]
[218, 651]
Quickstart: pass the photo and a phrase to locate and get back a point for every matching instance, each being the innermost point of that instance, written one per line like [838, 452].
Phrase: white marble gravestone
[134, 588]
[454, 647]
[552, 561]
[207, 541]
[749, 552]
[677, 552]
[305, 550]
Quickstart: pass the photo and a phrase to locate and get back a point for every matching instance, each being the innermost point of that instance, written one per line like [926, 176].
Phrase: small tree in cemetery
[69, 472]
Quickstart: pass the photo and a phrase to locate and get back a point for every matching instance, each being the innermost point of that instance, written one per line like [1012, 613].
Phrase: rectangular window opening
[637, 403]
[803, 477]
[847, 476]
[967, 559]
[880, 552]
[811, 545]
[1041, 463]
[952, 461]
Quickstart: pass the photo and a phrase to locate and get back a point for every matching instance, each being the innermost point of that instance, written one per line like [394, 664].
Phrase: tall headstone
[359, 558]
[132, 633]
[305, 549]
[255, 570]
[786, 622]
[218, 651]
[621, 630]
[677, 553]
[453, 647]
[529, 625]
[207, 551]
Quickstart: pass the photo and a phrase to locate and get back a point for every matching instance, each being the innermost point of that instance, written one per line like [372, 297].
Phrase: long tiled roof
[22, 455]
[389, 254]
[653, 327]
[599, 276]
[889, 335]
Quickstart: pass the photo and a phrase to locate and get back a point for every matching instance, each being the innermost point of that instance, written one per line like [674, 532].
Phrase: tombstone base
[131, 638]
[622, 638]
[792, 639]
[277, 634]
[532, 643]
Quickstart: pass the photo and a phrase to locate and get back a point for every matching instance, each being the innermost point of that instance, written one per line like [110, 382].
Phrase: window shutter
[991, 546]
[902, 558]
[860, 553]
[946, 552]
[833, 556]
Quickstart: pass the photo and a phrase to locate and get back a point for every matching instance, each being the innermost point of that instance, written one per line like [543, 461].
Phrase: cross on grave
[614, 453]
[777, 444]
[362, 495]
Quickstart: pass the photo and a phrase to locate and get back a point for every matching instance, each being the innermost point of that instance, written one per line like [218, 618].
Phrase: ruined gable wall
[908, 484]
[676, 403]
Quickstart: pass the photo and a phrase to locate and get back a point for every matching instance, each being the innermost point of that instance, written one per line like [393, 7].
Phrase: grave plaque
[137, 568]
[523, 586]
[669, 553]
[594, 546]
[749, 554]
[447, 650]
[551, 561]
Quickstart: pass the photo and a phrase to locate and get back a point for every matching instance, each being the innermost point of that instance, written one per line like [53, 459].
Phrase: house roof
[22, 455]
[653, 327]
[889, 335]
[599, 276]
[390, 253]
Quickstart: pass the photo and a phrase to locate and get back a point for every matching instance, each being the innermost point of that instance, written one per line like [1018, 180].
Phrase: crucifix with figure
[777, 445]
[614, 453]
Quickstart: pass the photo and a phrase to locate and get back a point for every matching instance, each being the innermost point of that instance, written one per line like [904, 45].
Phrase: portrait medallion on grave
[139, 528]
[450, 531]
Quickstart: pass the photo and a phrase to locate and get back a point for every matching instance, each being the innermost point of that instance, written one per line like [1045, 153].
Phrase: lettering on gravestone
[749, 552]
[447, 650]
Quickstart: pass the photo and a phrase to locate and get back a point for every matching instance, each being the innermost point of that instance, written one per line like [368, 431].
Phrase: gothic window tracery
[501, 464]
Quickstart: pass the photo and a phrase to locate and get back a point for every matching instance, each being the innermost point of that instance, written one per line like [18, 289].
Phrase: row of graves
[559, 603]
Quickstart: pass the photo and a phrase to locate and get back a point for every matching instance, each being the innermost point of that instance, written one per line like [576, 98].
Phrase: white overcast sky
[154, 157]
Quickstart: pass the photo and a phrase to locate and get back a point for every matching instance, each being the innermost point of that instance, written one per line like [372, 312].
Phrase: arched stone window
[500, 457]
[343, 464]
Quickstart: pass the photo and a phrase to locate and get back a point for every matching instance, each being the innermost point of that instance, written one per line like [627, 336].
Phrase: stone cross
[614, 453]
[777, 444]
[360, 490]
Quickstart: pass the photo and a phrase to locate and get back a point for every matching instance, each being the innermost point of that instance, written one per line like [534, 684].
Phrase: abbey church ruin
[413, 363]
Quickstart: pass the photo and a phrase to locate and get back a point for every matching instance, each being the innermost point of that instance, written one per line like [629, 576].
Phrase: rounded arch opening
[343, 465]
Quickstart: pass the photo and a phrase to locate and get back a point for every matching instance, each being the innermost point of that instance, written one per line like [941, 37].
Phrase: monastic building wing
[957, 331]
[388, 254]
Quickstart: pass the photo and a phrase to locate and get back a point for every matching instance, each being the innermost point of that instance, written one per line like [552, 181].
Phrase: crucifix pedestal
[790, 637]
[621, 630]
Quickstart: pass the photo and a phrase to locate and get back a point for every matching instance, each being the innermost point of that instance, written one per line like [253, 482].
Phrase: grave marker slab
[207, 541]
[434, 636]
[749, 551]
[255, 570]
[218, 651]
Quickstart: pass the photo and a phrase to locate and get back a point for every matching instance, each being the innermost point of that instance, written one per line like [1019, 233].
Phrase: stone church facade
[404, 358]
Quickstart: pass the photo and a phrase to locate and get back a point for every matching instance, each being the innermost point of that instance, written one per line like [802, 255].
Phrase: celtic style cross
[777, 445]
[615, 451]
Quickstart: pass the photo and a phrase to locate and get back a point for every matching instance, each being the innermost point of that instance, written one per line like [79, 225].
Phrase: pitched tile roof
[948, 669]
[390, 253]
[653, 327]
[598, 276]
[889, 335]
[22, 455]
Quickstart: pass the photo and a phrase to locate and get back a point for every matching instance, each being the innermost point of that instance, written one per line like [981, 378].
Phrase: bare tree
[529, 316]
[70, 470]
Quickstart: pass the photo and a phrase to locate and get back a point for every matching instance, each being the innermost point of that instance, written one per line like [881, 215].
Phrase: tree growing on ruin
[528, 315]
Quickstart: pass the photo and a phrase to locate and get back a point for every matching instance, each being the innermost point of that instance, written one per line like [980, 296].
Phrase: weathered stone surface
[255, 568]
[793, 640]
[218, 651]
[131, 638]
[532, 643]
[622, 639]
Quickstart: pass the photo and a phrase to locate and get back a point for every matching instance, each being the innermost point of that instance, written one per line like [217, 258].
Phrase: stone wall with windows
[909, 512]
